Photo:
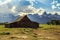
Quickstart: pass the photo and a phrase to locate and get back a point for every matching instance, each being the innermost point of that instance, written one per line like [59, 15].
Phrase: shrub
[4, 33]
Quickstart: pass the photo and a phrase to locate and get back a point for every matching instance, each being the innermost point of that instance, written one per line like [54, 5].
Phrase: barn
[25, 22]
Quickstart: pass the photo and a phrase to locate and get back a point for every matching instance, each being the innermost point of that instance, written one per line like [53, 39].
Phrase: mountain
[37, 18]
[45, 14]
[43, 18]
[7, 18]
[56, 16]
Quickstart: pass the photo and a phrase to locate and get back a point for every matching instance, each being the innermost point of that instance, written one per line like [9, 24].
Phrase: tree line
[54, 22]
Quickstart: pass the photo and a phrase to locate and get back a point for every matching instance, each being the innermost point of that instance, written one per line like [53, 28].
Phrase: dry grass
[44, 32]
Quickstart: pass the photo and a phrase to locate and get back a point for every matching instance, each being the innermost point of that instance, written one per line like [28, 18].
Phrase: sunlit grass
[46, 26]
[41, 26]
[13, 33]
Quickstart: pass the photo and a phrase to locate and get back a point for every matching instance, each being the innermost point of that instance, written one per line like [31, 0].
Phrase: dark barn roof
[25, 22]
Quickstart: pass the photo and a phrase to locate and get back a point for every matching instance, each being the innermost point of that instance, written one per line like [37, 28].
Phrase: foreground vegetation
[44, 32]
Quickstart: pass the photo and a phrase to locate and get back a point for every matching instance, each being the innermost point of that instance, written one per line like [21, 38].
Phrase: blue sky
[45, 4]
[15, 7]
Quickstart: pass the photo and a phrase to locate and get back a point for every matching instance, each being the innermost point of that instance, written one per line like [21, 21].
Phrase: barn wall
[24, 23]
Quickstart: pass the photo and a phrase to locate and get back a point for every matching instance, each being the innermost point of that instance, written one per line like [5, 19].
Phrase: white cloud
[58, 4]
[40, 11]
[22, 14]
[53, 7]
[54, 2]
[4, 9]
[5, 2]
[17, 10]
[23, 10]
[58, 13]
[29, 10]
[31, 1]
[13, 9]
[53, 12]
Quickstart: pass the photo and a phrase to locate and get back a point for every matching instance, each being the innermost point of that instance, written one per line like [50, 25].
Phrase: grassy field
[44, 32]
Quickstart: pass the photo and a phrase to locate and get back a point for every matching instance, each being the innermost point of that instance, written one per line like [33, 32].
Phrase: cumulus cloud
[31, 10]
[54, 7]
[13, 9]
[19, 7]
[22, 7]
[58, 13]
[58, 4]
[40, 11]
[4, 9]
[5, 2]
[54, 2]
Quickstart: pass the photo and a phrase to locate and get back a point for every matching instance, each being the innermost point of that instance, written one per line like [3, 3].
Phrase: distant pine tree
[54, 22]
